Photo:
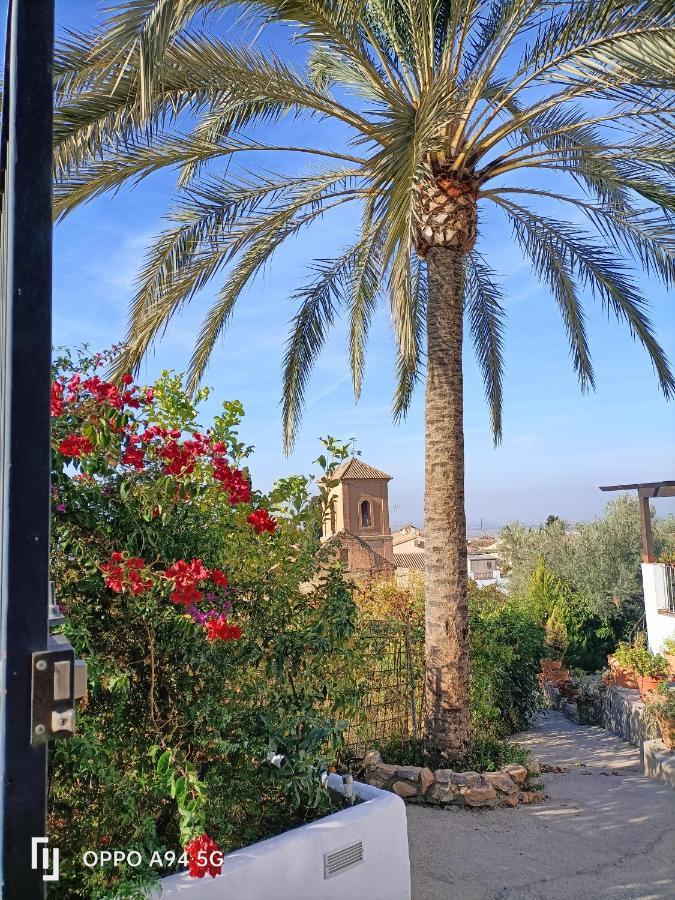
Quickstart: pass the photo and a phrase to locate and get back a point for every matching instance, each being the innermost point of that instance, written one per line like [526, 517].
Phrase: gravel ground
[605, 832]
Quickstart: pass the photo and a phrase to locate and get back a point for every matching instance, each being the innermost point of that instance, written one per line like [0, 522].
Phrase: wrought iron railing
[669, 588]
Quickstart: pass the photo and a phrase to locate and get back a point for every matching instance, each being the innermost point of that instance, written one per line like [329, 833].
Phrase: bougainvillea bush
[188, 594]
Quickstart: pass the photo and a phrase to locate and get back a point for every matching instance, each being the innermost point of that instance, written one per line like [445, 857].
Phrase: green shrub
[506, 646]
[484, 755]
[574, 633]
[187, 594]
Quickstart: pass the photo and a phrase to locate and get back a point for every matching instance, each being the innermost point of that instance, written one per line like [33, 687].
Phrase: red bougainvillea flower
[233, 481]
[262, 521]
[204, 857]
[75, 446]
[133, 457]
[127, 378]
[126, 575]
[130, 399]
[184, 572]
[56, 400]
[103, 391]
[218, 578]
[187, 594]
[149, 395]
[186, 576]
[219, 629]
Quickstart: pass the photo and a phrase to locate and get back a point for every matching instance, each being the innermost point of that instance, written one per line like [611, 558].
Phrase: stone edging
[445, 787]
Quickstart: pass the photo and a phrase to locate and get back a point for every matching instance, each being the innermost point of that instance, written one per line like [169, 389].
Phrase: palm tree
[446, 105]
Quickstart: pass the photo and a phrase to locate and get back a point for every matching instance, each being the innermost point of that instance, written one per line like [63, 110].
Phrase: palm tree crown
[448, 105]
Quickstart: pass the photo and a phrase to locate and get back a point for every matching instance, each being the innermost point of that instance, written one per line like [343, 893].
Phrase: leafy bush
[505, 646]
[664, 706]
[210, 622]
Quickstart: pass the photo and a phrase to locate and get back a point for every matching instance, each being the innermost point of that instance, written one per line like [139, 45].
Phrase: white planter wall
[292, 866]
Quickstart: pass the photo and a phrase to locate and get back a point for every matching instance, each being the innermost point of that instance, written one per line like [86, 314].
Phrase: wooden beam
[646, 529]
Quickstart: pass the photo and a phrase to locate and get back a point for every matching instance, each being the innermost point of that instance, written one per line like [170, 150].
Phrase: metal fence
[392, 673]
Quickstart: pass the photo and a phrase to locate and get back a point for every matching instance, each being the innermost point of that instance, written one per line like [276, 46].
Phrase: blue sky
[558, 445]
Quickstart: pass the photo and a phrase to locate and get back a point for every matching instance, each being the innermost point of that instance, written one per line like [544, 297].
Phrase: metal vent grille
[342, 859]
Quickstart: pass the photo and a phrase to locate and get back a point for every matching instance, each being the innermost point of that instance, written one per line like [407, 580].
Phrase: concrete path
[605, 833]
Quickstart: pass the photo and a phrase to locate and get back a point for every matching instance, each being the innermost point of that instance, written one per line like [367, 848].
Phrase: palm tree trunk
[447, 652]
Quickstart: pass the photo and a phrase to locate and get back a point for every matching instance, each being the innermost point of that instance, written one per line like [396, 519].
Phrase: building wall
[349, 495]
[413, 544]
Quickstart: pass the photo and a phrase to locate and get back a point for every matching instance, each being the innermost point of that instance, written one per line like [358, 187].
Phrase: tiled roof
[409, 561]
[356, 468]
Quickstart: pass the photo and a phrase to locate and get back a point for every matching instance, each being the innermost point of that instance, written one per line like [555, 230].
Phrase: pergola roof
[645, 488]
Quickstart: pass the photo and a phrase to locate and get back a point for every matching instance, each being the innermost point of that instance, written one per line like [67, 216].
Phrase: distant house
[408, 539]
[485, 568]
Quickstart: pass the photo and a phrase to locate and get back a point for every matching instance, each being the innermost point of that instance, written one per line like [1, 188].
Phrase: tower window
[366, 518]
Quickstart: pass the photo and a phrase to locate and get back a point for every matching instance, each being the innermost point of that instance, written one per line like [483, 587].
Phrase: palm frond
[483, 305]
[319, 300]
[560, 252]
[409, 361]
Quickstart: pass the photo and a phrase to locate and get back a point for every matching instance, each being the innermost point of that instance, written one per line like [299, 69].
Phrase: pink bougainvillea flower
[233, 481]
[219, 629]
[204, 857]
[75, 446]
[262, 521]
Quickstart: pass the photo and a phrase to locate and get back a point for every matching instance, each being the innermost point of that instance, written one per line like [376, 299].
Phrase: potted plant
[664, 711]
[650, 669]
[668, 652]
[619, 665]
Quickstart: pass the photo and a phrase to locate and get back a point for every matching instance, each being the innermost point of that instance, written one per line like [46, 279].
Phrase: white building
[658, 578]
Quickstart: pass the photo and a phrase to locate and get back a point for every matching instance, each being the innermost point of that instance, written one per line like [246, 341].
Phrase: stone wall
[510, 786]
[623, 715]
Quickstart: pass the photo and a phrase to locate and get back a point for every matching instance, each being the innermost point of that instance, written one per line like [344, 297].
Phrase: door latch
[58, 680]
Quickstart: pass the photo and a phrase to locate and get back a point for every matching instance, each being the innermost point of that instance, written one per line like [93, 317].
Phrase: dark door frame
[25, 339]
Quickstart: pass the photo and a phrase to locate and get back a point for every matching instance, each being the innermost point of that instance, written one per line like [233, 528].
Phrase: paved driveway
[605, 833]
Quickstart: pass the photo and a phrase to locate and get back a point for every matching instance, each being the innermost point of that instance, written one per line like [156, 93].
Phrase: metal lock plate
[58, 680]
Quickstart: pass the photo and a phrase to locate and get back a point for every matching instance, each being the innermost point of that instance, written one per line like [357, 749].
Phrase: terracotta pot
[549, 664]
[624, 678]
[667, 729]
[647, 683]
